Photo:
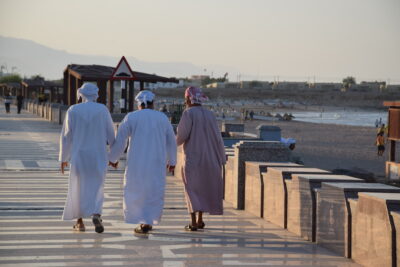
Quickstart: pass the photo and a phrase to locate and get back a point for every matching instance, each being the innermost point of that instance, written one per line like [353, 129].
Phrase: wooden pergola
[393, 136]
[31, 88]
[75, 75]
[10, 87]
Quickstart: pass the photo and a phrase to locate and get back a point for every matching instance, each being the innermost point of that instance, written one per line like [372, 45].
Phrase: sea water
[344, 117]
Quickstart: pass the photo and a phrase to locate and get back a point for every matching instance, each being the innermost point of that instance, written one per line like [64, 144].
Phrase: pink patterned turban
[195, 95]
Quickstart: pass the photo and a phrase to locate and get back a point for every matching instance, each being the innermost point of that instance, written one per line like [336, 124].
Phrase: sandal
[79, 227]
[143, 229]
[99, 228]
[190, 228]
[201, 225]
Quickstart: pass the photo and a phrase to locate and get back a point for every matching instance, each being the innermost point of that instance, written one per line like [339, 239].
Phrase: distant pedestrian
[7, 102]
[20, 102]
[382, 129]
[380, 143]
[87, 129]
[376, 123]
[204, 156]
[251, 115]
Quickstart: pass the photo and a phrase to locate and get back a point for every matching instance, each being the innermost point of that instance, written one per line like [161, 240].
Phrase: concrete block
[229, 191]
[302, 204]
[334, 215]
[254, 189]
[374, 235]
[276, 183]
[396, 223]
[269, 133]
[232, 127]
[250, 151]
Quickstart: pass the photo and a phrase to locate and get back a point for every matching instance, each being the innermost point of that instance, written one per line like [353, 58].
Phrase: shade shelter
[11, 87]
[393, 136]
[40, 89]
[75, 75]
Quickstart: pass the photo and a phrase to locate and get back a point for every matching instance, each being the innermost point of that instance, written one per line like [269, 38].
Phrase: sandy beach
[330, 147]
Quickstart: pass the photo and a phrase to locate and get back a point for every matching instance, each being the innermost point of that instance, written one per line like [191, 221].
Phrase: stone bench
[254, 189]
[374, 233]
[334, 216]
[276, 186]
[236, 168]
[302, 202]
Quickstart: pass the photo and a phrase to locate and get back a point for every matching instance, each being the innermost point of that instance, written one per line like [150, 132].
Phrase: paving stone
[39, 238]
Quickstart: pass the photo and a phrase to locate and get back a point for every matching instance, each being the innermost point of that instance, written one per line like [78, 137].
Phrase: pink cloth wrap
[195, 95]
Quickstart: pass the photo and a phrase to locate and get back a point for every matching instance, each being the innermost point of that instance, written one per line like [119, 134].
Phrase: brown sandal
[79, 227]
[143, 229]
[190, 228]
[201, 225]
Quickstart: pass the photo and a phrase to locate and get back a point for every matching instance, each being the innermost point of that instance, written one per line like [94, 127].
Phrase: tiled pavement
[32, 234]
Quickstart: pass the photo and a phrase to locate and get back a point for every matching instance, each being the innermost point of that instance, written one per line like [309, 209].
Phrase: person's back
[153, 125]
[7, 102]
[89, 131]
[204, 156]
[380, 140]
[7, 99]
[20, 98]
[204, 135]
[152, 147]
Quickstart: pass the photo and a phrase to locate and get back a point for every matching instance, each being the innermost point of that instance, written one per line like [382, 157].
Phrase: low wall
[302, 202]
[276, 187]
[56, 112]
[250, 151]
[254, 189]
[374, 233]
[334, 214]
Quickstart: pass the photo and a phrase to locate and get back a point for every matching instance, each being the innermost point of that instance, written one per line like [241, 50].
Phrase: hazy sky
[290, 38]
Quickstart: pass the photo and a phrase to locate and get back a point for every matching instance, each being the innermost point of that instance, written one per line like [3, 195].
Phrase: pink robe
[204, 155]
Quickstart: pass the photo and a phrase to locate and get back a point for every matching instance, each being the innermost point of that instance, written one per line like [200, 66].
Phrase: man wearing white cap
[152, 149]
[87, 129]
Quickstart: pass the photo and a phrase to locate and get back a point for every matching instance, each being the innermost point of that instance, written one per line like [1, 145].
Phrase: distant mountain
[31, 58]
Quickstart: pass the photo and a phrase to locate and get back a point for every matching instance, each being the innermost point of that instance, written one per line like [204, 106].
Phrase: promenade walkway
[32, 194]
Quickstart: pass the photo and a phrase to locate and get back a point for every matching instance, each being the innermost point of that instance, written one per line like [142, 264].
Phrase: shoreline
[331, 147]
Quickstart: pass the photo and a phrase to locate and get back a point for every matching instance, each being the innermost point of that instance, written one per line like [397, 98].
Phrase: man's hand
[171, 168]
[63, 166]
[114, 165]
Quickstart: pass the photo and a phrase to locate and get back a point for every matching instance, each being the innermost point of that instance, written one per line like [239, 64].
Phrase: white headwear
[144, 96]
[88, 92]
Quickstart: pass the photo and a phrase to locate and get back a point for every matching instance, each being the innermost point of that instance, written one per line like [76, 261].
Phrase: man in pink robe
[204, 156]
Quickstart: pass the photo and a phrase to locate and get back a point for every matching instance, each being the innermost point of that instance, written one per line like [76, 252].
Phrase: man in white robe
[87, 129]
[152, 149]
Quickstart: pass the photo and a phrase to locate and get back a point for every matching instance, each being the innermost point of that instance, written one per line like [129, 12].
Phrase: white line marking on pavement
[14, 164]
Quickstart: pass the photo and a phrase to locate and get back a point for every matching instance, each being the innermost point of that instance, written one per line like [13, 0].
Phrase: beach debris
[289, 142]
